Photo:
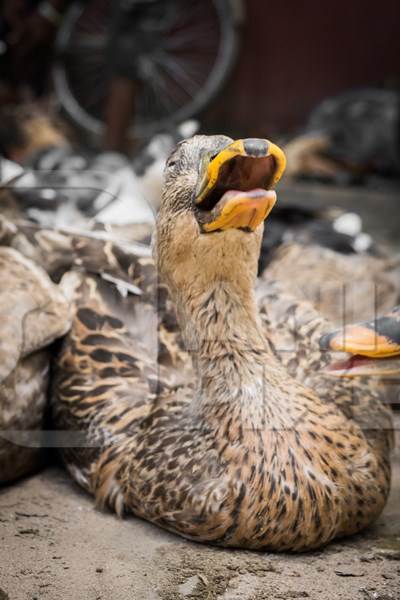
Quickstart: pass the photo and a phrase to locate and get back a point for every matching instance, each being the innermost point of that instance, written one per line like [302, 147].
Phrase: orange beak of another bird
[373, 348]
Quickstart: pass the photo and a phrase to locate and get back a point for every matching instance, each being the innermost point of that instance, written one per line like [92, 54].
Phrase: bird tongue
[348, 363]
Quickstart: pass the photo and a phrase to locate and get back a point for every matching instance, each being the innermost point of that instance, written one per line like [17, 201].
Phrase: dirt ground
[54, 545]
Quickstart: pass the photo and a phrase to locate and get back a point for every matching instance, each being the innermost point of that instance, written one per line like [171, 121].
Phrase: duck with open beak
[235, 187]
[372, 347]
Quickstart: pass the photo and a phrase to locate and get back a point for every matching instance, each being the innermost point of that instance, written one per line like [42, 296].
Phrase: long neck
[221, 329]
[221, 316]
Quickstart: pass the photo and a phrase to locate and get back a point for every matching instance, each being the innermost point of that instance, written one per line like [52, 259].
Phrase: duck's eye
[172, 163]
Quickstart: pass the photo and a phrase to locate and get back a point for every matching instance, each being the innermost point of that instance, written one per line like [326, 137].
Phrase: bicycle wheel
[194, 51]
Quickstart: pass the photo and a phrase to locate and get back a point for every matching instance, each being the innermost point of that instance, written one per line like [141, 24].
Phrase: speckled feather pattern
[308, 470]
[344, 288]
[260, 449]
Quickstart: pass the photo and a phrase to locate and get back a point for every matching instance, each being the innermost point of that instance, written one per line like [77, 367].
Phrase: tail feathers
[107, 480]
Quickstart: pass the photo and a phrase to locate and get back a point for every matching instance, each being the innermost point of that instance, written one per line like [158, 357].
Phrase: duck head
[372, 347]
[217, 193]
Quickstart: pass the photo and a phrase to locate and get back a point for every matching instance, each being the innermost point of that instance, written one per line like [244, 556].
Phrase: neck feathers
[222, 332]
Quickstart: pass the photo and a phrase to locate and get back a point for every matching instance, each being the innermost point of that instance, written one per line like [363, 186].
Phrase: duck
[60, 188]
[372, 348]
[248, 452]
[33, 313]
[126, 265]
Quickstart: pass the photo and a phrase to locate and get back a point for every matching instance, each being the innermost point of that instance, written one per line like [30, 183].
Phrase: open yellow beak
[359, 339]
[236, 189]
[373, 348]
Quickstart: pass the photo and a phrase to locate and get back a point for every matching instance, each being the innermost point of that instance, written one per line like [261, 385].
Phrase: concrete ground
[54, 545]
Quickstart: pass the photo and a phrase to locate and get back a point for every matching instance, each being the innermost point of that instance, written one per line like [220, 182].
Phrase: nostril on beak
[255, 147]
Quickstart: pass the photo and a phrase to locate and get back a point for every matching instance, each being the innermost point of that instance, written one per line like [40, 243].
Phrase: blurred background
[95, 95]
[91, 90]
[296, 54]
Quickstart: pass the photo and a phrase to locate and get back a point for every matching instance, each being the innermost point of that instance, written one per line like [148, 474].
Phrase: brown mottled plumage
[127, 265]
[58, 251]
[258, 452]
[343, 287]
[33, 313]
